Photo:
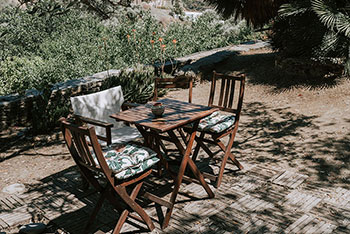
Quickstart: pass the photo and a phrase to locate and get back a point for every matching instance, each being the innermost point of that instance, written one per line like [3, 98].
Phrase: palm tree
[256, 12]
[315, 29]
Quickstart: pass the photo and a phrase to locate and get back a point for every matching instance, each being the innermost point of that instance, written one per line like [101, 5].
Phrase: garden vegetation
[315, 32]
[50, 42]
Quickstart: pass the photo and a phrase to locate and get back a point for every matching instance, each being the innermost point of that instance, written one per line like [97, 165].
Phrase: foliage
[178, 8]
[137, 83]
[258, 13]
[207, 32]
[55, 42]
[195, 5]
[14, 69]
[327, 39]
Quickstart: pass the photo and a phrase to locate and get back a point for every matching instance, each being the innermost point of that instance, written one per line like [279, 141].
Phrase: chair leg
[125, 213]
[232, 157]
[134, 206]
[227, 155]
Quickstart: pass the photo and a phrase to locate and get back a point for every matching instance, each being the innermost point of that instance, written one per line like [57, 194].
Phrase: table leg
[186, 159]
[192, 165]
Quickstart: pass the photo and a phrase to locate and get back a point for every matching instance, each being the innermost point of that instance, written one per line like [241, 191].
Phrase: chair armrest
[129, 105]
[107, 126]
[93, 121]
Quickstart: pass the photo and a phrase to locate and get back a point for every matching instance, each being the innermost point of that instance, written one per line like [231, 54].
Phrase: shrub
[137, 83]
[67, 44]
[20, 73]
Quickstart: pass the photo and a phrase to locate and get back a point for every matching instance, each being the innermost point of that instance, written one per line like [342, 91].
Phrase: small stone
[14, 188]
[32, 228]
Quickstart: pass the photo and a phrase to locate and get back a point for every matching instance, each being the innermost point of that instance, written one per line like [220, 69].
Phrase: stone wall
[17, 110]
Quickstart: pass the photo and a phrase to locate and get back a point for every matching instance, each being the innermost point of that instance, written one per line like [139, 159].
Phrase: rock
[146, 6]
[14, 188]
[32, 228]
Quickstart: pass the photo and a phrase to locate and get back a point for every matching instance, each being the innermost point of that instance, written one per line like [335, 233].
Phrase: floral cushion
[129, 160]
[216, 122]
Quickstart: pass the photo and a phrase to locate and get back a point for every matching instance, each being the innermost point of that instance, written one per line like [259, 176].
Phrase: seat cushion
[216, 122]
[128, 160]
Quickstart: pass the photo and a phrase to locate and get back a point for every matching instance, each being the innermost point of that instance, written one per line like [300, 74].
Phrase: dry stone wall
[17, 110]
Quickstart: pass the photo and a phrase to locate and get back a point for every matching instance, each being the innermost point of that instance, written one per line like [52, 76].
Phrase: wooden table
[176, 115]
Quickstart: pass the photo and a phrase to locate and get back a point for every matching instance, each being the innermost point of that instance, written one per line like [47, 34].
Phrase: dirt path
[302, 127]
[284, 125]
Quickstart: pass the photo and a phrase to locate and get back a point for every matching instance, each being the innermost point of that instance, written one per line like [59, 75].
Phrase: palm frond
[329, 43]
[255, 12]
[331, 17]
[293, 9]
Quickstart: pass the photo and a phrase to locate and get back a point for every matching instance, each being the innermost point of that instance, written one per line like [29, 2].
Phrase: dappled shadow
[261, 69]
[61, 199]
[12, 145]
[278, 137]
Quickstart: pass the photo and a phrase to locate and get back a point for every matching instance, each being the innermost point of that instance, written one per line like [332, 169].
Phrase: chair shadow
[61, 199]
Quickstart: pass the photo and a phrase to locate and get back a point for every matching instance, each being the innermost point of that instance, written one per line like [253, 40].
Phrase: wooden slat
[232, 93]
[212, 91]
[88, 152]
[78, 146]
[172, 79]
[225, 109]
[227, 91]
[223, 81]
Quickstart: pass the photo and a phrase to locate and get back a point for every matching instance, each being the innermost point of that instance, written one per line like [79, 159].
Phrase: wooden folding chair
[219, 125]
[95, 109]
[182, 81]
[83, 145]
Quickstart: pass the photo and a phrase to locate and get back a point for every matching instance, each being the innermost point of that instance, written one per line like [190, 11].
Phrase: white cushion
[100, 106]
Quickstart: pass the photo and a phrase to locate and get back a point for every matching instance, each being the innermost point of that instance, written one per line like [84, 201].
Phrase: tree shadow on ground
[261, 69]
[278, 137]
[12, 145]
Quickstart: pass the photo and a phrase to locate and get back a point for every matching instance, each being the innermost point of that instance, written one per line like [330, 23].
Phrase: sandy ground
[284, 124]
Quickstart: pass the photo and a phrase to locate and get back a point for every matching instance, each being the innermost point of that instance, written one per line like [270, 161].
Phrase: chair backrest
[81, 142]
[231, 92]
[99, 106]
[184, 82]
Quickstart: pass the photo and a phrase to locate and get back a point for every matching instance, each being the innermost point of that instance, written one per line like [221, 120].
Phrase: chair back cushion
[99, 106]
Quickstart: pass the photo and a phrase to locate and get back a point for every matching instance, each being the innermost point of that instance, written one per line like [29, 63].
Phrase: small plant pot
[158, 109]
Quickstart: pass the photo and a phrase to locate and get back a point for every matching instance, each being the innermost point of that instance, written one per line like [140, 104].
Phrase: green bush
[55, 44]
[20, 73]
[137, 83]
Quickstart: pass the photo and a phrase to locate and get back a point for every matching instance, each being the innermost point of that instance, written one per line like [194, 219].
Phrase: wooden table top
[176, 114]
